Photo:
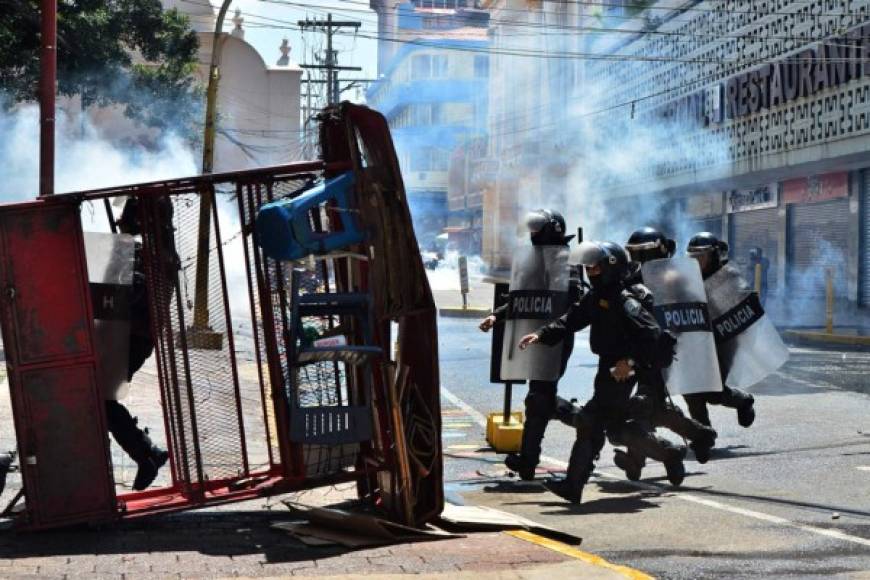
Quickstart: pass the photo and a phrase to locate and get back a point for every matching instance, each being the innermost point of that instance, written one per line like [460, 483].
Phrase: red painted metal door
[47, 331]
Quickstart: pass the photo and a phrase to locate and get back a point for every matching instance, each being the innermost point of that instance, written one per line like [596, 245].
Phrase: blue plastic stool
[283, 227]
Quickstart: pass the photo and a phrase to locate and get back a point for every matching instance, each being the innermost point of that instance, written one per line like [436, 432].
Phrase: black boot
[746, 413]
[703, 444]
[6, 460]
[136, 443]
[565, 490]
[629, 463]
[674, 466]
[149, 464]
[516, 463]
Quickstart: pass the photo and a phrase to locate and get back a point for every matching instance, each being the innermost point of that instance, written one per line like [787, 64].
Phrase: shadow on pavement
[515, 487]
[222, 534]
[606, 505]
[733, 451]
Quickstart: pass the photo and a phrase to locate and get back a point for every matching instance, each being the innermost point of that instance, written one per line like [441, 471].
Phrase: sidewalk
[237, 541]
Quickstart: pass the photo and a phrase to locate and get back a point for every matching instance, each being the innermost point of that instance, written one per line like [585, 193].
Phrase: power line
[330, 61]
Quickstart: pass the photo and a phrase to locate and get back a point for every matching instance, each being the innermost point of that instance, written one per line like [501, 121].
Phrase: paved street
[787, 497]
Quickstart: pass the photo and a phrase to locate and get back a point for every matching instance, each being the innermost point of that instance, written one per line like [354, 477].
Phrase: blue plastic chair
[283, 227]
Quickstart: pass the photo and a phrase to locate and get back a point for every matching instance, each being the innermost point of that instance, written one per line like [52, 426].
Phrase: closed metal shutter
[818, 238]
[865, 239]
[755, 229]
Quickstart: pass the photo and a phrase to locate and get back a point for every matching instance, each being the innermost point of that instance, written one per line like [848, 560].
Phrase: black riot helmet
[706, 244]
[547, 228]
[648, 244]
[611, 259]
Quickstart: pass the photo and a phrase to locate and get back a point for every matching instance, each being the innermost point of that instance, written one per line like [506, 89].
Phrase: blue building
[433, 92]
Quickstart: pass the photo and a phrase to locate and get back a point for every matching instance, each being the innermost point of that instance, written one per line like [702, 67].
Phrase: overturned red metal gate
[337, 379]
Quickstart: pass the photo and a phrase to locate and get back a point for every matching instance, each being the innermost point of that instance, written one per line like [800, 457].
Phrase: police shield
[749, 346]
[110, 273]
[681, 307]
[538, 293]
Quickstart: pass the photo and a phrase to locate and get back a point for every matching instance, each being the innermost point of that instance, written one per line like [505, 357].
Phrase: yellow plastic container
[505, 438]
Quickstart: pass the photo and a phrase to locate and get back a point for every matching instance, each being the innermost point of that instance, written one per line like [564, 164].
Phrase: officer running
[124, 427]
[546, 228]
[712, 254]
[652, 404]
[625, 336]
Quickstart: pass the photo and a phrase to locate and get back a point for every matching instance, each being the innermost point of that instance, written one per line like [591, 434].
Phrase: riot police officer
[652, 404]
[712, 254]
[546, 228]
[625, 337]
[122, 425]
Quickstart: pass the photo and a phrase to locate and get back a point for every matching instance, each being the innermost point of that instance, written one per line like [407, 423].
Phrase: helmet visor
[693, 251]
[535, 221]
[643, 246]
[588, 254]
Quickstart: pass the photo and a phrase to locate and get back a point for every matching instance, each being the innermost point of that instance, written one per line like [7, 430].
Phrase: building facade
[433, 94]
[762, 116]
[747, 118]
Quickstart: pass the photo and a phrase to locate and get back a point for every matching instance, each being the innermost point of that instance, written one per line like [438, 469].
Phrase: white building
[258, 103]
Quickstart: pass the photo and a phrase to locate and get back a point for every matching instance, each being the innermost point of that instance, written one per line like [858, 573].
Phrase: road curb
[825, 339]
[572, 552]
[470, 312]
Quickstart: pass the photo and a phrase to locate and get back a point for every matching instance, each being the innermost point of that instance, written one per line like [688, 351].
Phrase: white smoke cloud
[584, 123]
[84, 158]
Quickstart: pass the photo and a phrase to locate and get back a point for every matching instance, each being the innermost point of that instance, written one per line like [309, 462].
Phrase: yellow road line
[578, 554]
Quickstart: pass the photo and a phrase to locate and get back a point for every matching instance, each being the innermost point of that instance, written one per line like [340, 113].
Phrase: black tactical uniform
[707, 244]
[620, 329]
[652, 403]
[134, 441]
[547, 228]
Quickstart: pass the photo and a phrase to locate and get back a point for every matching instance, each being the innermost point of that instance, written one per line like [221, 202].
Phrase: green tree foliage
[126, 52]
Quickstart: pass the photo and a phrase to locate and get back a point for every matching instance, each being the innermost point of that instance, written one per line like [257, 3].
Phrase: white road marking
[837, 535]
[862, 467]
[815, 383]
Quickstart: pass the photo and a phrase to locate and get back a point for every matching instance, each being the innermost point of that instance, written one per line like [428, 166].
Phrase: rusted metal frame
[171, 386]
[381, 338]
[194, 184]
[25, 437]
[295, 451]
[244, 192]
[157, 312]
[185, 349]
[297, 456]
[182, 335]
[282, 420]
[230, 339]
[276, 485]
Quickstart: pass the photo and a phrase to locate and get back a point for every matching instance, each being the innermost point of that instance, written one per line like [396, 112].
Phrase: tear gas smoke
[84, 157]
[446, 275]
[806, 304]
[569, 135]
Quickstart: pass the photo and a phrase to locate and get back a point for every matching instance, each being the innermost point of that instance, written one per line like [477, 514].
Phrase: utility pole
[47, 88]
[201, 334]
[330, 27]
